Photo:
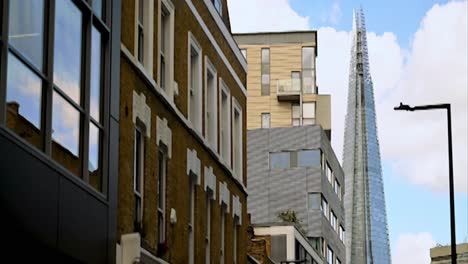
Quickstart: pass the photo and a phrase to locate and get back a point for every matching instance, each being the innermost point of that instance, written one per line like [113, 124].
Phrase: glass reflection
[24, 93]
[65, 124]
[67, 48]
[308, 158]
[94, 167]
[95, 74]
[26, 29]
[97, 7]
[279, 160]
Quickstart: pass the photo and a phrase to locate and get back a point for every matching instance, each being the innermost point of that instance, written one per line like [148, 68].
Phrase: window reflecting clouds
[26, 29]
[65, 124]
[67, 48]
[95, 73]
[24, 88]
[94, 166]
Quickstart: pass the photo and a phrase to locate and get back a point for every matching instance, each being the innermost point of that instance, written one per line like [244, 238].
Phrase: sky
[418, 55]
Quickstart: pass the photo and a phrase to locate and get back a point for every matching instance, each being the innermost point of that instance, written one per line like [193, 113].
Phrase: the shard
[366, 219]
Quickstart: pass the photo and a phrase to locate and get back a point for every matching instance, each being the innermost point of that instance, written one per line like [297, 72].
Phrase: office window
[296, 115]
[328, 172]
[195, 84]
[265, 54]
[138, 176]
[324, 207]
[308, 158]
[98, 8]
[280, 160]
[341, 233]
[218, 6]
[329, 255]
[333, 219]
[237, 139]
[296, 81]
[191, 226]
[308, 113]
[225, 120]
[223, 233]
[244, 53]
[314, 201]
[141, 30]
[338, 189]
[211, 102]
[31, 107]
[162, 173]
[208, 227]
[266, 120]
[308, 70]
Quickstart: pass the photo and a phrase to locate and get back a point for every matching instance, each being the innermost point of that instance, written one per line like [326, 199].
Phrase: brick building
[182, 124]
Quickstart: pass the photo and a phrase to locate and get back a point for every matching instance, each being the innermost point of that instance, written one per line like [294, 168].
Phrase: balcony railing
[288, 89]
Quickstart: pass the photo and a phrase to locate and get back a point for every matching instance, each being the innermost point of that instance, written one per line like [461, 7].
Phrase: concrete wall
[273, 191]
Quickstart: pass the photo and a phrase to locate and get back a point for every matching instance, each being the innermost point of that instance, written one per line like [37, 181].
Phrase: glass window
[219, 6]
[296, 115]
[244, 53]
[279, 160]
[308, 113]
[329, 255]
[328, 172]
[341, 233]
[165, 23]
[141, 27]
[338, 261]
[324, 207]
[296, 80]
[24, 93]
[314, 201]
[162, 172]
[265, 120]
[96, 66]
[94, 166]
[65, 133]
[225, 141]
[237, 143]
[26, 29]
[138, 171]
[338, 189]
[308, 158]
[265, 54]
[97, 7]
[67, 48]
[195, 99]
[333, 220]
[308, 69]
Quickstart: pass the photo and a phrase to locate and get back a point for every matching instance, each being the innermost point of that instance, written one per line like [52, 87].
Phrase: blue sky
[418, 55]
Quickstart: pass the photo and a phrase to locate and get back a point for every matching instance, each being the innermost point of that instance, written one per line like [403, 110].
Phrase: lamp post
[452, 200]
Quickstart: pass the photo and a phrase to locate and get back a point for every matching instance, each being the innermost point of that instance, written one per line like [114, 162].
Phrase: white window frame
[141, 164]
[148, 31]
[211, 111]
[194, 118]
[225, 136]
[237, 149]
[161, 208]
[267, 124]
[168, 54]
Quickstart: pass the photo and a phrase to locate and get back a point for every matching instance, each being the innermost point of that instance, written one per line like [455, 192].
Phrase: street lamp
[452, 201]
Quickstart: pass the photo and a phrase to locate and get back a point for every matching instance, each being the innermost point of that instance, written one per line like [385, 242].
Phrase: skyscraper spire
[366, 219]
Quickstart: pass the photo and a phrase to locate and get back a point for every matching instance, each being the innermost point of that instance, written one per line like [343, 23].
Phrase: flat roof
[268, 38]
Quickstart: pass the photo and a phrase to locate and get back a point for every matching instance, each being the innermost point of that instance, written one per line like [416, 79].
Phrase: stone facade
[165, 120]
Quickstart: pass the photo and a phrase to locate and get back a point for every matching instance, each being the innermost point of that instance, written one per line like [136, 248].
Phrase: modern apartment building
[182, 180]
[290, 162]
[59, 86]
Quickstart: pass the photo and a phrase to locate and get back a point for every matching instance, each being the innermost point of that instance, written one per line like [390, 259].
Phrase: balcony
[288, 90]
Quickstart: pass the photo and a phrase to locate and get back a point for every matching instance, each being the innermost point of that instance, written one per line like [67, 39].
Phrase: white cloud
[333, 15]
[413, 248]
[433, 71]
[264, 15]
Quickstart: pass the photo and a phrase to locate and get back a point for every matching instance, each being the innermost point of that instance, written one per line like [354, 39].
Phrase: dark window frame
[89, 19]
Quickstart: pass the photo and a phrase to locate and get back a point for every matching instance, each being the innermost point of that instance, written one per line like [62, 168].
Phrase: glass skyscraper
[366, 219]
